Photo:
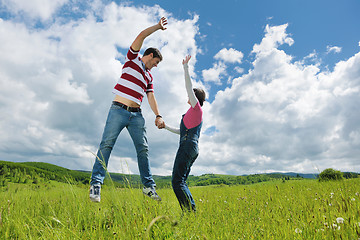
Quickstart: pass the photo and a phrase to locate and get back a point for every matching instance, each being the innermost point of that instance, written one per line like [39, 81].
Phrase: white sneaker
[95, 192]
[150, 192]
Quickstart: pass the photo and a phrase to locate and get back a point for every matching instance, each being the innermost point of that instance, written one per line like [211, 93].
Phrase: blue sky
[238, 24]
[282, 77]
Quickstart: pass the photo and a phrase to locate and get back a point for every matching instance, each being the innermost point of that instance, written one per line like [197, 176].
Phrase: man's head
[151, 58]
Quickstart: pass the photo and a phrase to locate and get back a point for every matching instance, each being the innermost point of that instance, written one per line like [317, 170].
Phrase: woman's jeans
[185, 157]
[119, 118]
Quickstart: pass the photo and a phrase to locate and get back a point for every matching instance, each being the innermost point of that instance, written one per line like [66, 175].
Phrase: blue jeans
[119, 118]
[185, 157]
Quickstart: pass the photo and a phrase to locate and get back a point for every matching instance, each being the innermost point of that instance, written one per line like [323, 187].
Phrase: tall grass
[305, 209]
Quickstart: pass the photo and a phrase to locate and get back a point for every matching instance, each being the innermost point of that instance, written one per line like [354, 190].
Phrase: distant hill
[34, 172]
[38, 172]
[315, 175]
[303, 175]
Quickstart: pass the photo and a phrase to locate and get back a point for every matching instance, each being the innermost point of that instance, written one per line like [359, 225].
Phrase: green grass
[303, 209]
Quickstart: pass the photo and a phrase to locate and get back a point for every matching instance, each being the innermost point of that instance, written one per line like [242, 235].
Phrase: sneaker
[150, 191]
[95, 192]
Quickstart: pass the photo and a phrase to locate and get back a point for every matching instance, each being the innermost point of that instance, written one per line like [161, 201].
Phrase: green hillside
[38, 172]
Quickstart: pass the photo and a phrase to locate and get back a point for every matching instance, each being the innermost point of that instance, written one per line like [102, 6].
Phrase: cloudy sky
[282, 78]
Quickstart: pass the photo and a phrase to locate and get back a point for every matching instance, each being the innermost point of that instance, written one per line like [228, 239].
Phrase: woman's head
[200, 95]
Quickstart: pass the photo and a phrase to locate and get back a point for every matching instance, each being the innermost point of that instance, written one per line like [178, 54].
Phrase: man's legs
[137, 132]
[117, 119]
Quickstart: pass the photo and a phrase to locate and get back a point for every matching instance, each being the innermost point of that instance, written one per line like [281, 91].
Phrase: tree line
[32, 172]
[37, 172]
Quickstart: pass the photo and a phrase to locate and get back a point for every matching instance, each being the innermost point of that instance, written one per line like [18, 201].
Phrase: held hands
[159, 122]
[162, 23]
[186, 60]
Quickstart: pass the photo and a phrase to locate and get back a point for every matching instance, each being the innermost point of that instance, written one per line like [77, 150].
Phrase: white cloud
[311, 57]
[333, 49]
[229, 55]
[42, 9]
[214, 74]
[56, 83]
[239, 69]
[285, 116]
[274, 36]
[223, 57]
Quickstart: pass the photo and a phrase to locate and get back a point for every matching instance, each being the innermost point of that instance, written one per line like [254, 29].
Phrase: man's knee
[142, 151]
[109, 143]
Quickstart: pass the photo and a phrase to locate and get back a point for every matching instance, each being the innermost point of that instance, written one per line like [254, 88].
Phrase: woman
[188, 151]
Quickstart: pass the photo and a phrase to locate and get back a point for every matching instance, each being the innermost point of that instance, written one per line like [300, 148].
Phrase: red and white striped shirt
[135, 80]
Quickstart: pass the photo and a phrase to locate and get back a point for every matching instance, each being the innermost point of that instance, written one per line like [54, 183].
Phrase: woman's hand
[186, 60]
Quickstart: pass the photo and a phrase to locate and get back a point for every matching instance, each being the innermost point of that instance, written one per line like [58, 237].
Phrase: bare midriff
[126, 101]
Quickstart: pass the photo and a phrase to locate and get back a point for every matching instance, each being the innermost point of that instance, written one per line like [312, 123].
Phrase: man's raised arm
[137, 44]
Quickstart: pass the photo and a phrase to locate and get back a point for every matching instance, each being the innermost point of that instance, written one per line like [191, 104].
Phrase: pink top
[193, 116]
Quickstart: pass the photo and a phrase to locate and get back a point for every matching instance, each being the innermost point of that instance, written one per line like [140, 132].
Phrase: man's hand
[162, 23]
[136, 45]
[159, 122]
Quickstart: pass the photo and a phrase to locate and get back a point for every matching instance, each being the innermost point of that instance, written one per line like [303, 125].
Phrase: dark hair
[200, 95]
[154, 51]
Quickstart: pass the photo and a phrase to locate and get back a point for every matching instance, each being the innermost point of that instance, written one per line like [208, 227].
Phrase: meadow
[295, 209]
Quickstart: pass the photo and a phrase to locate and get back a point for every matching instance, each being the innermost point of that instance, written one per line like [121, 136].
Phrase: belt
[127, 108]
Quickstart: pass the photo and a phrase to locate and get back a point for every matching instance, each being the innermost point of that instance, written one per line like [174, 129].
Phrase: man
[134, 83]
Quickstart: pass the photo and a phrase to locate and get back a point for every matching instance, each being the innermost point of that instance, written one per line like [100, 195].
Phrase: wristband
[158, 116]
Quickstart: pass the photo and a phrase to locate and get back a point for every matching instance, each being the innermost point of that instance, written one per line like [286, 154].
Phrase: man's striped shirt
[135, 80]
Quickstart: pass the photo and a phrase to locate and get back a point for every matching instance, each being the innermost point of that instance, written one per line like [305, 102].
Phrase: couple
[125, 111]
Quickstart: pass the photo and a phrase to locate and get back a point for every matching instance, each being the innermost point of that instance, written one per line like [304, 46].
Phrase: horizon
[264, 173]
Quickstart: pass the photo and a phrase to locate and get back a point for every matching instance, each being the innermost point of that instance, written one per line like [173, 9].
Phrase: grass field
[302, 209]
